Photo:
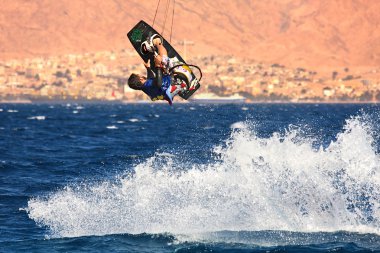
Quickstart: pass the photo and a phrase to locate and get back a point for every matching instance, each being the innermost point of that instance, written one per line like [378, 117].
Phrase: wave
[283, 182]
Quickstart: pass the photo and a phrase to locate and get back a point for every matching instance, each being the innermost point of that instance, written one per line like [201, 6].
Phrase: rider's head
[136, 81]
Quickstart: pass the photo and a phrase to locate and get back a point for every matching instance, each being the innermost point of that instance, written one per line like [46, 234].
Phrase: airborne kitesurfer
[158, 87]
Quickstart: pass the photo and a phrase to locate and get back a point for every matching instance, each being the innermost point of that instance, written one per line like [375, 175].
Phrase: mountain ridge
[315, 34]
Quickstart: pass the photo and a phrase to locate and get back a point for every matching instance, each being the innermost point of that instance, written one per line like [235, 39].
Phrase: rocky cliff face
[307, 33]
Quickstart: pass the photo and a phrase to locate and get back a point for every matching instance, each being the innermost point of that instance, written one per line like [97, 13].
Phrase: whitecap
[120, 122]
[38, 117]
[12, 111]
[134, 120]
[75, 111]
[112, 127]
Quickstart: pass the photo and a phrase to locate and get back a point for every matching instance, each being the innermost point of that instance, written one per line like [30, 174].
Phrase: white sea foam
[38, 117]
[11, 111]
[112, 127]
[278, 183]
[239, 125]
[134, 120]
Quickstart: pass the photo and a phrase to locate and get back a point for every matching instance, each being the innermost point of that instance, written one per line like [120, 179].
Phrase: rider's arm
[157, 79]
[157, 42]
[162, 53]
[149, 71]
[157, 63]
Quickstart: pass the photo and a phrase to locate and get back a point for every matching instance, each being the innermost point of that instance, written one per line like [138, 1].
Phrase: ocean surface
[189, 178]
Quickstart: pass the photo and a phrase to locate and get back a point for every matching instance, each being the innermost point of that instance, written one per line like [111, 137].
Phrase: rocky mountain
[297, 33]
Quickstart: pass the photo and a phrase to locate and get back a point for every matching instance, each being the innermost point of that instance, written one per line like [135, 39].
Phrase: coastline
[16, 101]
[61, 101]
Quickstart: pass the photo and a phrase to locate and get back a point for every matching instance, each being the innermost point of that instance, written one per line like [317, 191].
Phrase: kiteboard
[142, 32]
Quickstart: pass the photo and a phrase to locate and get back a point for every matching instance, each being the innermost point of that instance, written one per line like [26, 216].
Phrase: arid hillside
[297, 33]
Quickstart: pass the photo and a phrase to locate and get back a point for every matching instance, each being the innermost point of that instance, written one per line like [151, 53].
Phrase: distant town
[102, 76]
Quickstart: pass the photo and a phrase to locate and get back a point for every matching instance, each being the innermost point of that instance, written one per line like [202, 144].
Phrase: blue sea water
[189, 178]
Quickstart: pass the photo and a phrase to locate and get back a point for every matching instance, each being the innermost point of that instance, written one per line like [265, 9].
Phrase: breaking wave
[283, 182]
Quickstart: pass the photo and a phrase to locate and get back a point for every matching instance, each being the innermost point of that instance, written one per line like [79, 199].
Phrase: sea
[83, 177]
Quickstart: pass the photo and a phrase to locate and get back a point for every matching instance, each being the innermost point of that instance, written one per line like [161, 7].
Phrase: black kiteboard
[141, 32]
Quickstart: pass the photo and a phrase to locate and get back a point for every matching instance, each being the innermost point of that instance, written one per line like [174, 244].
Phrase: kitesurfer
[161, 85]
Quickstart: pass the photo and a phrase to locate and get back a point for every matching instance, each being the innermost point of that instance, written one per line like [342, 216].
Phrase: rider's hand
[158, 61]
[147, 64]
